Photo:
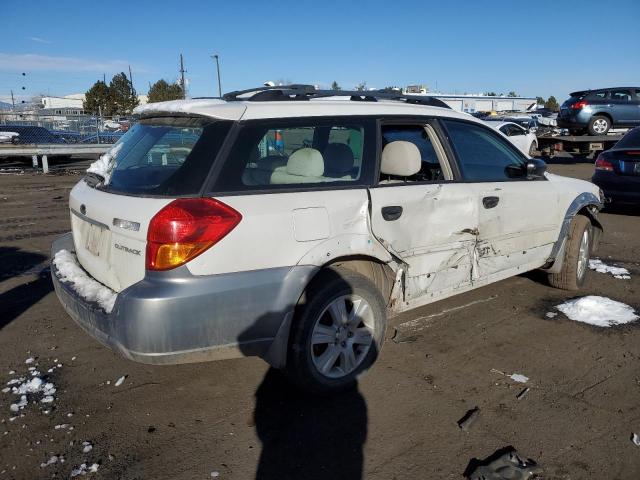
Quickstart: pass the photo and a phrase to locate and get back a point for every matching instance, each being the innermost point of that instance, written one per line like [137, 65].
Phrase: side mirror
[536, 168]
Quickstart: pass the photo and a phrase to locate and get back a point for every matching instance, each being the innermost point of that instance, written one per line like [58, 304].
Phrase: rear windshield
[164, 157]
[630, 140]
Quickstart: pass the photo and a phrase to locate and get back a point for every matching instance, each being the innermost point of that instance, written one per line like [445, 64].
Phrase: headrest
[306, 162]
[400, 158]
[338, 159]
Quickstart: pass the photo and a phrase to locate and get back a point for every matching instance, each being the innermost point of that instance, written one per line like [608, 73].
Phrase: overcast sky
[534, 48]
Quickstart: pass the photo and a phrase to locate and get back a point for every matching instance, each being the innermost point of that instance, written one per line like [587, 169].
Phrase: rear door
[623, 108]
[518, 219]
[428, 221]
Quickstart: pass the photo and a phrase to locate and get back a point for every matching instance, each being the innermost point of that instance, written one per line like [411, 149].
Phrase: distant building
[472, 103]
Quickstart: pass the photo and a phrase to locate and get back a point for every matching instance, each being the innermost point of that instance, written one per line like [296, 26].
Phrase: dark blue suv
[596, 111]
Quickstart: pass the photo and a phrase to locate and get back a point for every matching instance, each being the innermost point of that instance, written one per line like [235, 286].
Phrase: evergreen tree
[98, 99]
[552, 104]
[490, 94]
[512, 94]
[162, 91]
[122, 94]
[335, 86]
[361, 87]
[540, 100]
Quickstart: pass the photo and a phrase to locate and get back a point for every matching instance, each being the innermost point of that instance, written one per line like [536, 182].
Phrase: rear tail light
[185, 228]
[603, 164]
[579, 105]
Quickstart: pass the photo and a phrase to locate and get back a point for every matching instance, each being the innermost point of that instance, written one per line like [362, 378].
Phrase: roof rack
[298, 92]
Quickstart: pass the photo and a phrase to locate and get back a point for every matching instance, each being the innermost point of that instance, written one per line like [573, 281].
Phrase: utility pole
[13, 102]
[104, 78]
[215, 57]
[184, 87]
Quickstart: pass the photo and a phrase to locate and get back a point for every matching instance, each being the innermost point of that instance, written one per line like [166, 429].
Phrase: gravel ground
[238, 419]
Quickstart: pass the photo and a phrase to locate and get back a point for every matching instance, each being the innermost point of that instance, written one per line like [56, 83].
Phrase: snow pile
[598, 311]
[83, 470]
[601, 267]
[52, 460]
[106, 163]
[34, 386]
[88, 288]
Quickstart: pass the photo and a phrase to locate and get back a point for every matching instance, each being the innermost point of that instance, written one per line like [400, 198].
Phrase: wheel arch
[602, 114]
[588, 205]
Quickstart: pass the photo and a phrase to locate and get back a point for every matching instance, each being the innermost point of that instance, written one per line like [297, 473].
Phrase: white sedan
[9, 137]
[525, 140]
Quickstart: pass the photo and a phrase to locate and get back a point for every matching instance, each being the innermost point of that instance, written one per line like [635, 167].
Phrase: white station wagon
[291, 223]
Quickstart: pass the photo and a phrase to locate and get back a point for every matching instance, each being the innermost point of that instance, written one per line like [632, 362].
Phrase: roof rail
[298, 92]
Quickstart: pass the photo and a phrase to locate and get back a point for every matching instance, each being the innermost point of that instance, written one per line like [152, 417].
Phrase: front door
[517, 218]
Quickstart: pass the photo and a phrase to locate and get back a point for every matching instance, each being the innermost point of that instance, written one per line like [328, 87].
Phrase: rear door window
[282, 154]
[621, 95]
[162, 157]
[483, 155]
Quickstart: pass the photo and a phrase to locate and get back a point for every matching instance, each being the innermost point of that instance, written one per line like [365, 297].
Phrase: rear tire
[576, 256]
[337, 332]
[599, 125]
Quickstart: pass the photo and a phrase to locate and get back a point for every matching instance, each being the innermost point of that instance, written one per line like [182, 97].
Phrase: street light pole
[215, 57]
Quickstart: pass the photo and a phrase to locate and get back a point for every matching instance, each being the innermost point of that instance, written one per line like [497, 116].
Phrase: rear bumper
[175, 317]
[618, 188]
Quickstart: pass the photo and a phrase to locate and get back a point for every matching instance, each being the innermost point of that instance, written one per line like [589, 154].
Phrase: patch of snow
[15, 407]
[86, 447]
[12, 372]
[598, 311]
[120, 381]
[29, 360]
[81, 470]
[47, 399]
[635, 438]
[91, 290]
[601, 267]
[62, 426]
[51, 461]
[94, 468]
[518, 377]
[215, 474]
[106, 163]
[551, 314]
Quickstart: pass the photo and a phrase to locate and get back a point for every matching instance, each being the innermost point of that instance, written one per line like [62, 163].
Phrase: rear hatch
[155, 162]
[565, 108]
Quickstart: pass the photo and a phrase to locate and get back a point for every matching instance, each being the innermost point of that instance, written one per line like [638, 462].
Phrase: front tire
[337, 333]
[576, 256]
[599, 125]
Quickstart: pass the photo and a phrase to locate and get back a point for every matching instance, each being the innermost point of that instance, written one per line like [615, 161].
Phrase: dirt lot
[239, 418]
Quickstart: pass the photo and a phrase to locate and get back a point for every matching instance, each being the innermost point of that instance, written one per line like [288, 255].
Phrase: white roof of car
[328, 106]
[499, 123]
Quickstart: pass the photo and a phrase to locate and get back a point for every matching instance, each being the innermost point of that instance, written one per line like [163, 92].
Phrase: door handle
[490, 202]
[391, 213]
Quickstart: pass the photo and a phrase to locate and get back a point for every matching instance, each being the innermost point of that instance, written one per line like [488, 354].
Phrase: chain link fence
[36, 128]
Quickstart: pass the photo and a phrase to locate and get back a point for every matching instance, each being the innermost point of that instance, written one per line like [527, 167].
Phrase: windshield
[162, 157]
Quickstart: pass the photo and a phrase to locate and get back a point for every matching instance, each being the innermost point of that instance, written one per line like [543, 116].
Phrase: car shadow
[303, 435]
[15, 261]
[20, 298]
[307, 436]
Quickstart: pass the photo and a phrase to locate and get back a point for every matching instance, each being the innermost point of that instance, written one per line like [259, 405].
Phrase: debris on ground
[505, 464]
[601, 267]
[635, 438]
[523, 393]
[518, 377]
[468, 419]
[598, 311]
[84, 469]
[120, 381]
